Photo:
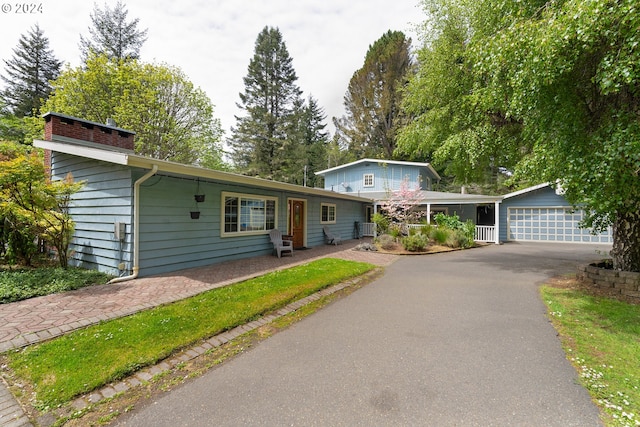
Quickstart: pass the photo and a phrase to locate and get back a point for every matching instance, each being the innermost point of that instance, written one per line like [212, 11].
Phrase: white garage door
[550, 225]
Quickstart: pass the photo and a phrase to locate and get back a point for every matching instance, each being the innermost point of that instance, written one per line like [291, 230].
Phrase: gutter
[136, 227]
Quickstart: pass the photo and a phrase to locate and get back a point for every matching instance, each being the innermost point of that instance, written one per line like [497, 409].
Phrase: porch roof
[441, 198]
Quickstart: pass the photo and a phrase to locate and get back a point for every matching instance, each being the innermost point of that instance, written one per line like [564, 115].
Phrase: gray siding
[105, 199]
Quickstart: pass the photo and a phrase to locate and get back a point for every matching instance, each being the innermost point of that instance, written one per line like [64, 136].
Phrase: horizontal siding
[105, 198]
[170, 240]
[542, 197]
[545, 197]
[385, 178]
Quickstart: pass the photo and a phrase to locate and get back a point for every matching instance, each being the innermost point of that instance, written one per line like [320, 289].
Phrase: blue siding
[105, 198]
[386, 177]
[170, 240]
[551, 229]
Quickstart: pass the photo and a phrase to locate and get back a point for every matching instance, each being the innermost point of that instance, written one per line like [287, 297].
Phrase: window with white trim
[367, 180]
[327, 213]
[248, 214]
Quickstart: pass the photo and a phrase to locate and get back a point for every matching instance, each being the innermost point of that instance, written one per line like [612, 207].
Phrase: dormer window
[367, 180]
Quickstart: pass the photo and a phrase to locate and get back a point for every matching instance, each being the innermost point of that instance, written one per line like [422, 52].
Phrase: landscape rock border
[600, 275]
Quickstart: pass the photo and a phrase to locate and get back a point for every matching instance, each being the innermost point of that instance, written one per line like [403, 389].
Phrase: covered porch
[483, 210]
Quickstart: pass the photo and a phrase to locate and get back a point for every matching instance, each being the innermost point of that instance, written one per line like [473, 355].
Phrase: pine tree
[112, 35]
[373, 99]
[28, 73]
[271, 99]
[316, 140]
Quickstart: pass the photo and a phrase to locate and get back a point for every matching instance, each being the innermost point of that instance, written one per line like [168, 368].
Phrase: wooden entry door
[296, 216]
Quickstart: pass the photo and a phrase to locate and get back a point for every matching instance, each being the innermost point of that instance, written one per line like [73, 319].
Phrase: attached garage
[539, 214]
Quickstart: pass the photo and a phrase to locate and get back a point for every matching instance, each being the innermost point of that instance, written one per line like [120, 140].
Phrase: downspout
[136, 227]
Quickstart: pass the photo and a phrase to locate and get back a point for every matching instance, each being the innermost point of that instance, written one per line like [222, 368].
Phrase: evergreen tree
[373, 99]
[28, 73]
[112, 35]
[305, 148]
[316, 141]
[263, 137]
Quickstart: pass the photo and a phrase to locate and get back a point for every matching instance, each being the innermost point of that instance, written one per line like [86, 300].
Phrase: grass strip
[602, 339]
[84, 360]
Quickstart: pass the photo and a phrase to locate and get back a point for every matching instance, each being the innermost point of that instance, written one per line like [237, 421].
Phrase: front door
[296, 216]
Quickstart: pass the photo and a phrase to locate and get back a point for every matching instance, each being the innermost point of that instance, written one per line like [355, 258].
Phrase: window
[367, 180]
[248, 214]
[327, 213]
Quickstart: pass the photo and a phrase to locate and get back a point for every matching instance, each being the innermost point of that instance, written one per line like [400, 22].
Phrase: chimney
[60, 127]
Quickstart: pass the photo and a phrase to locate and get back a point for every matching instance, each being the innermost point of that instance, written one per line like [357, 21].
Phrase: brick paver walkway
[37, 319]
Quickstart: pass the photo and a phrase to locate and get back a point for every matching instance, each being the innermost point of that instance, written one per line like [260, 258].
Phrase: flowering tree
[401, 204]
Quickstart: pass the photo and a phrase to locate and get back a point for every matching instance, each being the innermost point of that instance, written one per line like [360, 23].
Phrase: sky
[213, 41]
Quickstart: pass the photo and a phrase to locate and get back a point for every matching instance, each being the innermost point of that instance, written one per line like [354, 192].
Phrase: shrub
[415, 242]
[466, 229]
[381, 222]
[440, 234]
[455, 239]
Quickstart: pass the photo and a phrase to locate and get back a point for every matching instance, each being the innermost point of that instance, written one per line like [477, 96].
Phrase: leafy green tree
[559, 82]
[173, 120]
[373, 99]
[449, 122]
[263, 137]
[28, 73]
[112, 35]
[33, 207]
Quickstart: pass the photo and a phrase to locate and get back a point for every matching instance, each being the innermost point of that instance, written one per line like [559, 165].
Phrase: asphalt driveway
[454, 339]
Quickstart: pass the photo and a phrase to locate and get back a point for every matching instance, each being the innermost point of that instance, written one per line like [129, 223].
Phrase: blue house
[138, 216]
[377, 179]
[542, 214]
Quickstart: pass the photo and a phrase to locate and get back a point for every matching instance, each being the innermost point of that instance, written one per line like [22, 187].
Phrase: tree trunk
[626, 241]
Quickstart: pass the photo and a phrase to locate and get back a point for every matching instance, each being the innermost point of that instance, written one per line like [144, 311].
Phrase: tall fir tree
[373, 98]
[28, 73]
[112, 35]
[316, 141]
[262, 138]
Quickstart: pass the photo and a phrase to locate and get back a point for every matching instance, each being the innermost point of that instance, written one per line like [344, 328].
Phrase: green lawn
[86, 359]
[602, 339]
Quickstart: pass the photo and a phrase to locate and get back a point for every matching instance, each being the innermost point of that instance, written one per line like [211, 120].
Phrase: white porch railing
[484, 233]
[368, 229]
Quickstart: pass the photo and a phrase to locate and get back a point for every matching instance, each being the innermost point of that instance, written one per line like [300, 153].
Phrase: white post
[375, 228]
[428, 213]
[496, 226]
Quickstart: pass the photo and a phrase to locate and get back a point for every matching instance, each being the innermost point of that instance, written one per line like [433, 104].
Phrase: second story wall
[374, 176]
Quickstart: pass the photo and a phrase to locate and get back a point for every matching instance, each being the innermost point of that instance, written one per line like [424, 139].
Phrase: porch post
[496, 231]
[375, 228]
[428, 213]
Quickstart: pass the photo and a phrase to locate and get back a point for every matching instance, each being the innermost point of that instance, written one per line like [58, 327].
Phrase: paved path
[37, 319]
[454, 339]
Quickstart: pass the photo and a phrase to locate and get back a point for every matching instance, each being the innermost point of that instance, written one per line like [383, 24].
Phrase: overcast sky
[213, 41]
